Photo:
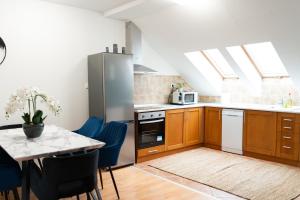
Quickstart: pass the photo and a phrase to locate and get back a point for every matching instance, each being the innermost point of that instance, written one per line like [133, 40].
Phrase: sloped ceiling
[96, 5]
[179, 29]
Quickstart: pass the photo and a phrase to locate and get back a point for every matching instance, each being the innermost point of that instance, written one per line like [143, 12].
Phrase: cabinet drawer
[287, 127]
[287, 135]
[287, 123]
[287, 151]
[151, 151]
[287, 143]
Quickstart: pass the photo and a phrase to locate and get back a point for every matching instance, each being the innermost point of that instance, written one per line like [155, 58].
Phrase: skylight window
[198, 59]
[246, 65]
[219, 63]
[266, 59]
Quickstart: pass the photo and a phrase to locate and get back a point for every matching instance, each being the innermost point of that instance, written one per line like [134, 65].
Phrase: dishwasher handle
[232, 115]
[233, 112]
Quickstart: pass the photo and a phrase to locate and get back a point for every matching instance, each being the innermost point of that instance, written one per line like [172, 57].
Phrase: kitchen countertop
[271, 108]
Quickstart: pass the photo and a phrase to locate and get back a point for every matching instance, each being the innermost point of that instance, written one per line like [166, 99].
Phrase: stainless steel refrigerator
[110, 79]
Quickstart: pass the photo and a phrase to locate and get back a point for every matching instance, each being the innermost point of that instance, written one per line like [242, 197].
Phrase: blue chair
[113, 135]
[10, 172]
[91, 128]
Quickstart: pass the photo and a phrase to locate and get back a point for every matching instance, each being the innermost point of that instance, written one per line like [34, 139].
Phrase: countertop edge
[265, 108]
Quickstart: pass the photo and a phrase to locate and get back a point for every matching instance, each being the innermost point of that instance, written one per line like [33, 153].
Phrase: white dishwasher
[232, 130]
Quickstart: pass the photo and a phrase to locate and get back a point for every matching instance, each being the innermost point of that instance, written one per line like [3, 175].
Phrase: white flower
[27, 96]
[53, 105]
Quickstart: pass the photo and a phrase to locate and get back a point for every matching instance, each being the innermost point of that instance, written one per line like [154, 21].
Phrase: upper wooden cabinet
[260, 132]
[174, 133]
[213, 126]
[194, 126]
[184, 127]
[288, 126]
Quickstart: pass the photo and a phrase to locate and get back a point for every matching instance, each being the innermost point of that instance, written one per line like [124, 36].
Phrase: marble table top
[54, 140]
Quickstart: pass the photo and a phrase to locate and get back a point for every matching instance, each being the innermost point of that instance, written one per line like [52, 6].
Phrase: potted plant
[180, 87]
[34, 118]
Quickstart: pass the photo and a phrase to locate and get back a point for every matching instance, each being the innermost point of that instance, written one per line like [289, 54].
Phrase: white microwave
[185, 98]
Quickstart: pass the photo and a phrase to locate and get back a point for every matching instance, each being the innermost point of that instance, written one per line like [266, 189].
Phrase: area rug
[242, 176]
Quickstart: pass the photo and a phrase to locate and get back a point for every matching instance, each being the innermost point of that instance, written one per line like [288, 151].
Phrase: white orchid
[28, 97]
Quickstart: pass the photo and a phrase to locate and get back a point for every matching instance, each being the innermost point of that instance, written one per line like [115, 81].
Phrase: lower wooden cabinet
[272, 134]
[288, 126]
[184, 127]
[194, 126]
[174, 133]
[260, 132]
[213, 126]
[150, 151]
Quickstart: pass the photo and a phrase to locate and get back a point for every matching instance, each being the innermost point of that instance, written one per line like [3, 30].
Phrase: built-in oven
[151, 129]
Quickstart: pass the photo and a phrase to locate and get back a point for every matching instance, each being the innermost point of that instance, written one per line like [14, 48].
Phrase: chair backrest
[92, 127]
[73, 174]
[10, 172]
[12, 126]
[113, 135]
[4, 157]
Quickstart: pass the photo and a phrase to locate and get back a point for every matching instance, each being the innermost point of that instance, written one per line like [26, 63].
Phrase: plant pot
[33, 130]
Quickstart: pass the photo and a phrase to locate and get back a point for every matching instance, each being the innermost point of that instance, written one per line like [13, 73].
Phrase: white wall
[219, 24]
[48, 46]
[155, 61]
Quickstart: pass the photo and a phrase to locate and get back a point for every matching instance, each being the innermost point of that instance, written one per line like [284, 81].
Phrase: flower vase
[33, 130]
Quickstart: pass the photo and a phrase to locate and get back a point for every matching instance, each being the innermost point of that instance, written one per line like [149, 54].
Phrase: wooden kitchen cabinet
[184, 127]
[194, 126]
[288, 126]
[260, 132]
[213, 126]
[174, 132]
[150, 151]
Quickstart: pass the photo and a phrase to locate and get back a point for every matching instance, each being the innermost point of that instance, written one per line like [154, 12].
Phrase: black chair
[113, 135]
[66, 176]
[10, 172]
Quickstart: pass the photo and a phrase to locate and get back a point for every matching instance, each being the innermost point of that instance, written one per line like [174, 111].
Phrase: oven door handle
[153, 121]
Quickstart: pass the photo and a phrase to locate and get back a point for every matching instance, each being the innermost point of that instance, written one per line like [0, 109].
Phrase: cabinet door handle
[286, 137]
[153, 151]
[289, 120]
[286, 147]
[287, 127]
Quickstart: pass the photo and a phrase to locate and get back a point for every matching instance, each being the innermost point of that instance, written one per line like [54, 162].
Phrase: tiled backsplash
[154, 89]
[273, 91]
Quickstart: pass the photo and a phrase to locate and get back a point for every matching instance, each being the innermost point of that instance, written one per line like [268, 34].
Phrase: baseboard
[272, 159]
[211, 146]
[166, 153]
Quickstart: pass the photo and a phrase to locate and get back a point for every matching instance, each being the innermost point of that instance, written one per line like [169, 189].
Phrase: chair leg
[93, 195]
[101, 180]
[98, 193]
[6, 195]
[113, 179]
[16, 194]
[88, 196]
[40, 164]
[77, 197]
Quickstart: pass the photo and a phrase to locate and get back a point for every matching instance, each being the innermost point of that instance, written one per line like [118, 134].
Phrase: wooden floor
[135, 183]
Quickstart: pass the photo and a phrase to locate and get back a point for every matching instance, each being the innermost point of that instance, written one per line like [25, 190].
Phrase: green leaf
[26, 118]
[38, 117]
